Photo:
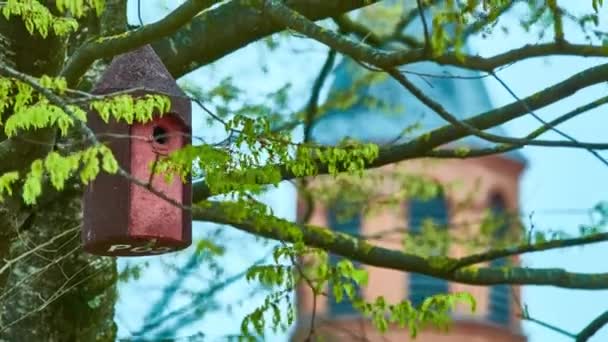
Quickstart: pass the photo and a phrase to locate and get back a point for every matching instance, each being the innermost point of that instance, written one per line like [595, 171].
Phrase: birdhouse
[122, 218]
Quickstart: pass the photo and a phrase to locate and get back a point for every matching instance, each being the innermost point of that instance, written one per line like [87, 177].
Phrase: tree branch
[313, 101]
[527, 248]
[593, 327]
[449, 133]
[385, 59]
[231, 26]
[548, 326]
[268, 226]
[450, 153]
[444, 114]
[427, 38]
[426, 143]
[589, 148]
[106, 47]
[366, 35]
[18, 152]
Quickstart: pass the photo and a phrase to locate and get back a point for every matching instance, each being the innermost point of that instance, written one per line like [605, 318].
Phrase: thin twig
[313, 102]
[448, 153]
[444, 114]
[427, 38]
[141, 22]
[527, 248]
[37, 248]
[524, 314]
[592, 328]
[537, 117]
[153, 170]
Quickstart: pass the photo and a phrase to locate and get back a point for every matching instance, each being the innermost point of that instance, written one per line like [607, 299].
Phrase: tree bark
[50, 290]
[234, 25]
[57, 293]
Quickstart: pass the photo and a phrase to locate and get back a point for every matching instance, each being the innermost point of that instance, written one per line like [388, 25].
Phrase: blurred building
[385, 113]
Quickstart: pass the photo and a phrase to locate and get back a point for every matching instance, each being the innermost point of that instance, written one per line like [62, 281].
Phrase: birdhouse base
[135, 246]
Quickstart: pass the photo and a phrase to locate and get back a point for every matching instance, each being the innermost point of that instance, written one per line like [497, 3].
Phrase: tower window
[342, 218]
[435, 209]
[500, 295]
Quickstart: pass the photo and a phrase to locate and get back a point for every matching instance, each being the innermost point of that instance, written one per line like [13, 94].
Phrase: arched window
[435, 209]
[344, 220]
[500, 295]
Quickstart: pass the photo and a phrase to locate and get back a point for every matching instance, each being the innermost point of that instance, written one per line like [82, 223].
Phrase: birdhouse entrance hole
[159, 134]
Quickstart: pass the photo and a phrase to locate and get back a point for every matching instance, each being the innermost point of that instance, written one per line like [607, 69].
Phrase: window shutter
[348, 225]
[422, 286]
[500, 295]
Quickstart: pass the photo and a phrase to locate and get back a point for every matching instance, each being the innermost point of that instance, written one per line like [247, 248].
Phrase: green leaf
[338, 292]
[126, 108]
[39, 19]
[60, 168]
[32, 187]
[40, 115]
[360, 276]
[108, 163]
[90, 167]
[95, 302]
[6, 182]
[204, 245]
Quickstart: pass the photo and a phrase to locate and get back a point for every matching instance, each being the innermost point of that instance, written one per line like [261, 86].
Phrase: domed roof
[139, 68]
[142, 69]
[384, 112]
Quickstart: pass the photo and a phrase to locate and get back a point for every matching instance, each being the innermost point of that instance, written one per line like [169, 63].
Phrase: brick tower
[382, 113]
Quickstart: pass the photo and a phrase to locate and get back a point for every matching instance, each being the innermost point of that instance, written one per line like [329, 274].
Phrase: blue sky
[558, 183]
[557, 186]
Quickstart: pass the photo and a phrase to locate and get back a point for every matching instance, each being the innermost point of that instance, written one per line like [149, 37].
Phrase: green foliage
[33, 182]
[39, 19]
[281, 318]
[132, 271]
[433, 239]
[258, 157]
[5, 90]
[206, 245]
[272, 275]
[280, 277]
[78, 8]
[60, 169]
[32, 110]
[227, 101]
[42, 114]
[435, 310]
[345, 278]
[56, 84]
[126, 108]
[597, 4]
[6, 182]
[350, 156]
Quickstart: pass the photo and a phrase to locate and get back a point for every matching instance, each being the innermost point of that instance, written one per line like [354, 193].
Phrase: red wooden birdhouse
[122, 218]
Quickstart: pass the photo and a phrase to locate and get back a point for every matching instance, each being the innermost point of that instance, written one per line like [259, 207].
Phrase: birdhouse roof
[142, 68]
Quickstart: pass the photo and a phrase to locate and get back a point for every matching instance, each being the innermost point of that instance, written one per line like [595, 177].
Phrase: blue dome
[383, 110]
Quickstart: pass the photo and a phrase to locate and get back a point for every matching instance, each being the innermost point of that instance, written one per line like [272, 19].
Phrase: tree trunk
[50, 290]
[56, 292]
